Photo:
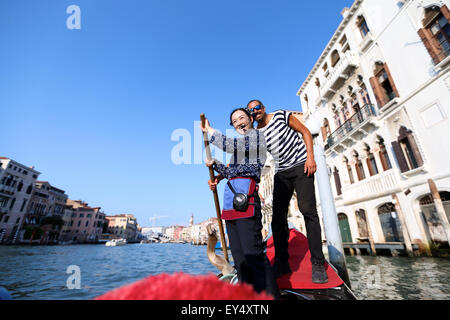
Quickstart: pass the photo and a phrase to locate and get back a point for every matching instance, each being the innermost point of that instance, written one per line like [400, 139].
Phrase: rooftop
[347, 14]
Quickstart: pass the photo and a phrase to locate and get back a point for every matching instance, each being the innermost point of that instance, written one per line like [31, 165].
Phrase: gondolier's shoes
[319, 275]
[280, 268]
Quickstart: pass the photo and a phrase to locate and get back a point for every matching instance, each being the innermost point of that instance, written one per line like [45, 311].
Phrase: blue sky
[94, 109]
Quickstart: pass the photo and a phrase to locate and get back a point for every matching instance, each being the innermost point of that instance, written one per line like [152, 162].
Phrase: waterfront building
[169, 232]
[186, 234]
[177, 232]
[16, 189]
[199, 232]
[86, 225]
[196, 234]
[381, 91]
[69, 213]
[44, 214]
[152, 232]
[139, 234]
[124, 226]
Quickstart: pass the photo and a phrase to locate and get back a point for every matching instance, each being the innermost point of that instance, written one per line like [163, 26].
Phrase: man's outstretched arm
[310, 164]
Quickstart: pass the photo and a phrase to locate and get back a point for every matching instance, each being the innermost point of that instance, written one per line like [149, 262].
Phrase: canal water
[42, 272]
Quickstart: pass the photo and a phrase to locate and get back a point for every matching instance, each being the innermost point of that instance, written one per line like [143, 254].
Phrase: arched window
[406, 151]
[345, 113]
[326, 131]
[383, 84]
[337, 181]
[317, 82]
[337, 118]
[349, 171]
[359, 167]
[384, 157]
[371, 162]
[326, 72]
[335, 58]
[435, 33]
[344, 44]
[364, 94]
[362, 26]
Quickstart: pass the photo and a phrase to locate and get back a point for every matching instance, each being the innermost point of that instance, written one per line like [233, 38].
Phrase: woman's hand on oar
[206, 127]
[213, 185]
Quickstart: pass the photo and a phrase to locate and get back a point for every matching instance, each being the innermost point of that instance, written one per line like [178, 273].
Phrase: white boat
[116, 242]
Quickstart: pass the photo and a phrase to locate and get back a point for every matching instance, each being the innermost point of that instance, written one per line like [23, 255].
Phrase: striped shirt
[284, 143]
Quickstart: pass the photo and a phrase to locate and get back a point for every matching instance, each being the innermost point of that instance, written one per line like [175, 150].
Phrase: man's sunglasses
[258, 107]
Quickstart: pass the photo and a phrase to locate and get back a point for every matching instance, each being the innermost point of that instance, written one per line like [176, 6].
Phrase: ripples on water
[39, 272]
[399, 278]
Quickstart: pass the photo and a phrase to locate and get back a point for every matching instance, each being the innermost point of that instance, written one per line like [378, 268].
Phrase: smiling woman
[241, 120]
[242, 205]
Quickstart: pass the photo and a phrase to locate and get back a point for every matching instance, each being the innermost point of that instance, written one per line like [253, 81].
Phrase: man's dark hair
[262, 104]
[240, 109]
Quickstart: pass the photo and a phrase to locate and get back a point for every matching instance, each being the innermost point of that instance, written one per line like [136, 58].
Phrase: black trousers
[285, 182]
[248, 251]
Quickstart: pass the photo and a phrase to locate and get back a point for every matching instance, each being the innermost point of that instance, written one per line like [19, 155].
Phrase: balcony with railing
[352, 129]
[373, 187]
[6, 190]
[339, 74]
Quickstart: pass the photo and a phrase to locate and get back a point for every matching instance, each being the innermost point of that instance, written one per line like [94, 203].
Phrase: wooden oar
[216, 197]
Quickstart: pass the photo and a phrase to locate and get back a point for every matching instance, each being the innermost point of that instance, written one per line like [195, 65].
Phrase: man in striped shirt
[294, 170]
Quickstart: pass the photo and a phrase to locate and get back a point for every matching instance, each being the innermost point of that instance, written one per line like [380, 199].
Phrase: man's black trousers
[285, 182]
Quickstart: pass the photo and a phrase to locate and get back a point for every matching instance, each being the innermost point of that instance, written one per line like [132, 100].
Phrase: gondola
[298, 284]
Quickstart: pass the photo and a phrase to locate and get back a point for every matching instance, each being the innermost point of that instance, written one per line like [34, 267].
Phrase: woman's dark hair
[240, 109]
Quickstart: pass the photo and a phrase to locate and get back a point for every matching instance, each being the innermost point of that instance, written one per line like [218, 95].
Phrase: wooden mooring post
[439, 208]
[401, 218]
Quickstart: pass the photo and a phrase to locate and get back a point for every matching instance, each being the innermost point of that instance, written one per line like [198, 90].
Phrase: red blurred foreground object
[180, 286]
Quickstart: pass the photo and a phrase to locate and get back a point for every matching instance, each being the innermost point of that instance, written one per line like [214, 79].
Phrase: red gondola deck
[300, 263]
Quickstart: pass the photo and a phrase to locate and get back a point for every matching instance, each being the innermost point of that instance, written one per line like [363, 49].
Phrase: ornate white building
[381, 89]
[17, 184]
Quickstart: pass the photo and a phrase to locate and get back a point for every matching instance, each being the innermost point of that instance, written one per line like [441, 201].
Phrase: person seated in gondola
[242, 205]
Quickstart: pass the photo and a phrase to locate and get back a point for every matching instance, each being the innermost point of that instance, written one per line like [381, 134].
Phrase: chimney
[344, 12]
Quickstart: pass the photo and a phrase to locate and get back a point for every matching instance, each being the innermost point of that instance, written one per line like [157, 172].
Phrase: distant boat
[116, 242]
[64, 243]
